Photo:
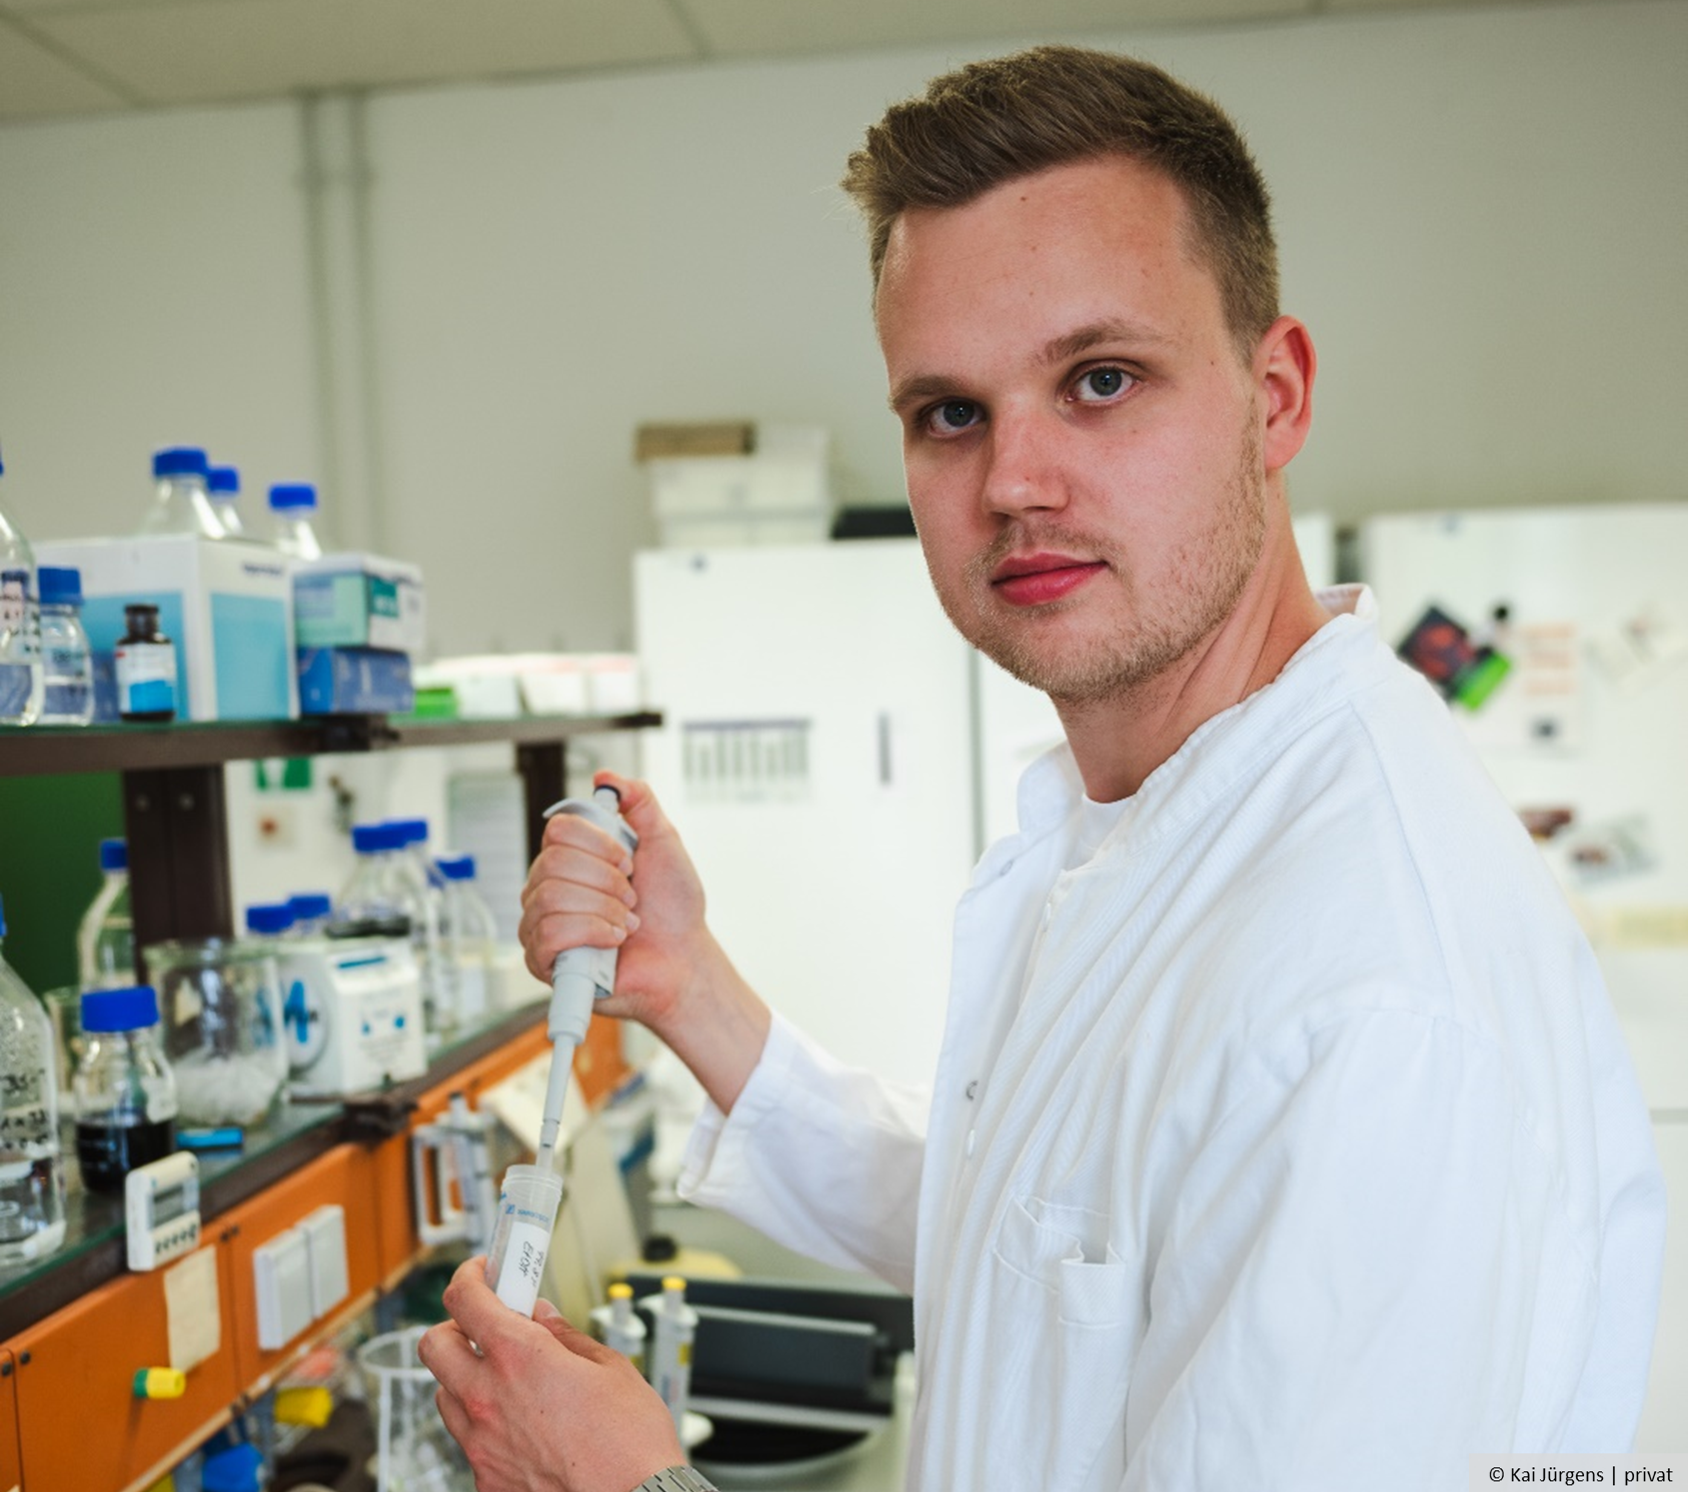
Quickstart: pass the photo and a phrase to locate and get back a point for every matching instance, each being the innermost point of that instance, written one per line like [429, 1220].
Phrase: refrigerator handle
[884, 748]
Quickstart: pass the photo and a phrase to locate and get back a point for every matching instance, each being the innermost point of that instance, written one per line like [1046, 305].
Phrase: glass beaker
[414, 1450]
[220, 1004]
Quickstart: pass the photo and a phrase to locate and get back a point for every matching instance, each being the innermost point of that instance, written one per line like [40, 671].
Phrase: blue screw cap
[180, 461]
[120, 1009]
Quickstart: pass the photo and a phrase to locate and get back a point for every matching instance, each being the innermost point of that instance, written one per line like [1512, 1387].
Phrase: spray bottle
[527, 1207]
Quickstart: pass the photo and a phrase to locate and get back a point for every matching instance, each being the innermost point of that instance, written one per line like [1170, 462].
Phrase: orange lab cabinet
[80, 1425]
[11, 1467]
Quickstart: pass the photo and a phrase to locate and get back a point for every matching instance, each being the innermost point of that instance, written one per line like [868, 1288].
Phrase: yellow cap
[160, 1383]
[621, 1290]
[309, 1405]
[673, 1282]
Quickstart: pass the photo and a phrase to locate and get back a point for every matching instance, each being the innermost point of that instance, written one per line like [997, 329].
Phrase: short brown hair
[990, 122]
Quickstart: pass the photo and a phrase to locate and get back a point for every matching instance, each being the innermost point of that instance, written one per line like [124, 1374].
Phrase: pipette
[527, 1205]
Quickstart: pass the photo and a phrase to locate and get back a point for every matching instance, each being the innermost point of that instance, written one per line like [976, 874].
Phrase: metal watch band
[676, 1479]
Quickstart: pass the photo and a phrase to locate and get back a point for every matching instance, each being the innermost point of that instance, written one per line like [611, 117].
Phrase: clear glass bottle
[293, 507]
[222, 486]
[105, 938]
[20, 628]
[180, 503]
[31, 1171]
[469, 933]
[67, 665]
[312, 912]
[369, 904]
[425, 887]
[125, 1091]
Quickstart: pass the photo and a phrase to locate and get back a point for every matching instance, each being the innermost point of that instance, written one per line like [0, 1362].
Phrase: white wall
[1482, 216]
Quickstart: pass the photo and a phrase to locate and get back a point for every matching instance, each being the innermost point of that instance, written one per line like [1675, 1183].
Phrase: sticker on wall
[1600, 853]
[746, 761]
[1541, 707]
[1641, 647]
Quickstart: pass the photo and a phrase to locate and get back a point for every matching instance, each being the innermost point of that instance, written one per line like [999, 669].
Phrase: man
[1282, 1135]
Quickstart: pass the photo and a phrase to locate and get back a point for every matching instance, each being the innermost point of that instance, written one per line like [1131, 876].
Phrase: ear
[1284, 365]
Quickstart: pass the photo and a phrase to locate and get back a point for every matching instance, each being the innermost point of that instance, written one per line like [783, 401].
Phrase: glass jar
[125, 1093]
[221, 1010]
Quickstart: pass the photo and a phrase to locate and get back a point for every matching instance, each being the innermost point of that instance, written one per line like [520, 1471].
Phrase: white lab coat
[1286, 1142]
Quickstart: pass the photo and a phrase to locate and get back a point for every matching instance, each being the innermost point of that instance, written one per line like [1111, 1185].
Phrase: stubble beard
[1202, 585]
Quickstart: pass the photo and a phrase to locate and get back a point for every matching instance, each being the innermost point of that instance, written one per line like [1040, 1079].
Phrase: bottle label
[146, 677]
[17, 683]
[14, 599]
[26, 1122]
[522, 1265]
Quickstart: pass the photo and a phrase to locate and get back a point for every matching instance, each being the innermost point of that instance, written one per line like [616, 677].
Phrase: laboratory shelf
[298, 1132]
[32, 751]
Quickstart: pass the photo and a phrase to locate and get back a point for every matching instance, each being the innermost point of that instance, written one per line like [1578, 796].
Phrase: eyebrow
[1057, 350]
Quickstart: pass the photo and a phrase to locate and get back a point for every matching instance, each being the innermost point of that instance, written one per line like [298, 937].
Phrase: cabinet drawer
[79, 1422]
[344, 1177]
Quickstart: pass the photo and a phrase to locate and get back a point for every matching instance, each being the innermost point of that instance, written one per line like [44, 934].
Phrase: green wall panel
[50, 833]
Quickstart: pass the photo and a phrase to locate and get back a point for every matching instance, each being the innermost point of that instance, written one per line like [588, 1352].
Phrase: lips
[1033, 579]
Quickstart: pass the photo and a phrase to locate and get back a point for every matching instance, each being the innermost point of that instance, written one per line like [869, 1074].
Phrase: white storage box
[780, 495]
[358, 601]
[227, 606]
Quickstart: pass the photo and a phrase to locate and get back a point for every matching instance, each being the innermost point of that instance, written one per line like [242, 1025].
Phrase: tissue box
[358, 601]
[227, 605]
[355, 681]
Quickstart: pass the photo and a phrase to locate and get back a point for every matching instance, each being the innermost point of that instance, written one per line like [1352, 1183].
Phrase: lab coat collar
[1337, 659]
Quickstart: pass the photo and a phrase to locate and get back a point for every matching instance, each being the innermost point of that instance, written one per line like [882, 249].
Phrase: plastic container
[222, 486]
[31, 1169]
[220, 1001]
[20, 628]
[181, 503]
[145, 664]
[105, 938]
[618, 1326]
[293, 507]
[527, 1212]
[414, 1452]
[125, 1091]
[67, 665]
[469, 935]
[673, 1329]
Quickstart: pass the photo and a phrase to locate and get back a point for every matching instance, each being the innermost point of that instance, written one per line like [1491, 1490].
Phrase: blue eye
[1100, 384]
[952, 415]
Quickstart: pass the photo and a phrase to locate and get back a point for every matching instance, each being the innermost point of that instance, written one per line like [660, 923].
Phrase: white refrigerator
[1589, 724]
[837, 759]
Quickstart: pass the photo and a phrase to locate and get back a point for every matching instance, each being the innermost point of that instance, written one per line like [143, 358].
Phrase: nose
[1022, 472]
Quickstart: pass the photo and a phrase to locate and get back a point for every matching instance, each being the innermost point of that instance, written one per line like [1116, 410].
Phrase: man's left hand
[542, 1407]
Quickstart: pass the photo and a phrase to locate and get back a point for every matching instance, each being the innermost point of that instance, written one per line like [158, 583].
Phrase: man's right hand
[585, 890]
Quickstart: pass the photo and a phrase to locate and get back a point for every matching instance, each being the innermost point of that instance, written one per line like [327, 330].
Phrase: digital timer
[161, 1208]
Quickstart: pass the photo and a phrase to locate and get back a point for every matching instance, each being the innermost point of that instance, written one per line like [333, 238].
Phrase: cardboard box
[722, 438]
[780, 495]
[355, 681]
[226, 604]
[358, 601]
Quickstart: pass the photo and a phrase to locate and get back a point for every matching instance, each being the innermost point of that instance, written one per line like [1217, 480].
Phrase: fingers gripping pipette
[527, 1209]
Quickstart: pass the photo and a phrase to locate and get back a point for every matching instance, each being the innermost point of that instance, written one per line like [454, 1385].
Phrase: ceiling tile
[196, 51]
[35, 82]
[750, 27]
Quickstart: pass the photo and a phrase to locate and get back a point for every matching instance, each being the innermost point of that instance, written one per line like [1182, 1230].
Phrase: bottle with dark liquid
[125, 1091]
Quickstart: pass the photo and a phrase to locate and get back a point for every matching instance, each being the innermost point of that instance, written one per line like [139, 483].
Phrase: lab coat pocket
[1074, 1306]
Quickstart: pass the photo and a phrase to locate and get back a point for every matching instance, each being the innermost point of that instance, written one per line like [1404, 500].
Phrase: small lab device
[161, 1210]
[618, 1326]
[353, 1012]
[531, 1195]
[452, 1167]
